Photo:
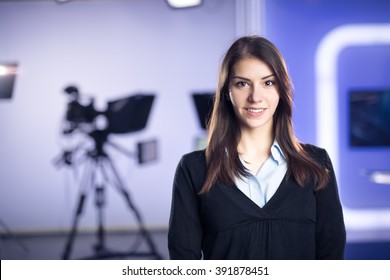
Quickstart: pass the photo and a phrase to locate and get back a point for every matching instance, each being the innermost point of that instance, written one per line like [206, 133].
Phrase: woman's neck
[255, 145]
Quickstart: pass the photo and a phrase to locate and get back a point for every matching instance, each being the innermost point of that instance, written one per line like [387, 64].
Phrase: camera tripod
[98, 162]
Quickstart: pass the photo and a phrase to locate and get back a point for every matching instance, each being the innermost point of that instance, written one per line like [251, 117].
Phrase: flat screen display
[369, 118]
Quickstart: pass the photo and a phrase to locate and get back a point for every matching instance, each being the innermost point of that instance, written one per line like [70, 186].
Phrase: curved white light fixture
[326, 73]
[184, 3]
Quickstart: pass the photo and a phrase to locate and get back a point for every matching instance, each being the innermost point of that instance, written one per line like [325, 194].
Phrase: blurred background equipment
[203, 102]
[204, 105]
[369, 114]
[125, 115]
[129, 114]
[8, 72]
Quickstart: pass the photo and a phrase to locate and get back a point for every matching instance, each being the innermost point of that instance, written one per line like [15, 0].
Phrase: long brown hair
[223, 163]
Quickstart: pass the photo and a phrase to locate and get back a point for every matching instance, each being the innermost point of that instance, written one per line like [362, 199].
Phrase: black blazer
[296, 223]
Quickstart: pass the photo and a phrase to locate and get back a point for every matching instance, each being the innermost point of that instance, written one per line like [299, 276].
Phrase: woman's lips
[255, 110]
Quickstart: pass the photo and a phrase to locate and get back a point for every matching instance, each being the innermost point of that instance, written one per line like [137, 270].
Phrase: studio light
[203, 102]
[178, 4]
[8, 69]
[8, 72]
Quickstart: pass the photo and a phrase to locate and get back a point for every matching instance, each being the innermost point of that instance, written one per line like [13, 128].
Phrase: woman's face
[254, 94]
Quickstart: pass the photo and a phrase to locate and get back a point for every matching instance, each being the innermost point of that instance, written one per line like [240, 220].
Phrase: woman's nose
[256, 94]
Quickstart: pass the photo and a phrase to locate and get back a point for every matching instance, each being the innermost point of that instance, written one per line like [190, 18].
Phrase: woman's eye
[241, 84]
[269, 83]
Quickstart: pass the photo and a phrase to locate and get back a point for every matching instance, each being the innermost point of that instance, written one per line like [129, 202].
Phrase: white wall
[110, 49]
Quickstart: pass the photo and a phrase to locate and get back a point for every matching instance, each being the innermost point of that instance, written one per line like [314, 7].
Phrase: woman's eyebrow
[243, 78]
[268, 76]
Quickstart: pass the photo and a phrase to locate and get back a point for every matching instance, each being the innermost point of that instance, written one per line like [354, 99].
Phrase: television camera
[124, 115]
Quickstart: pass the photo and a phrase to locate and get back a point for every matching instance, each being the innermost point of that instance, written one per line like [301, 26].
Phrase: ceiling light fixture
[62, 1]
[178, 4]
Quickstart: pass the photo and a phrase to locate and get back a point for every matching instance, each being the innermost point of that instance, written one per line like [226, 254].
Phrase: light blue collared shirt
[262, 186]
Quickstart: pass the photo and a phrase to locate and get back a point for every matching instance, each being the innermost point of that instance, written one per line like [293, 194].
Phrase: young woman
[255, 192]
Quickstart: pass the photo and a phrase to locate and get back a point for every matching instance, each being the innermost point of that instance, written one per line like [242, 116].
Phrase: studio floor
[117, 245]
[122, 245]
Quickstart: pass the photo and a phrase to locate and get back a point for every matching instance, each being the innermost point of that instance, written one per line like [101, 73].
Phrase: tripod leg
[71, 236]
[99, 202]
[79, 210]
[10, 234]
[131, 205]
[142, 228]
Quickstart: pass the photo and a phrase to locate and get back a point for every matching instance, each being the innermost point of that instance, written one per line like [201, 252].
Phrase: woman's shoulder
[313, 149]
[198, 154]
[195, 158]
[193, 165]
[317, 153]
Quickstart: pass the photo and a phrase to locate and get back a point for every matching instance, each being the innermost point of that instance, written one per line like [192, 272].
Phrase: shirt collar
[276, 153]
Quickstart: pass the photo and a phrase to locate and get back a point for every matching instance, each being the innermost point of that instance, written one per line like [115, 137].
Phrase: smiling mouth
[254, 110]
